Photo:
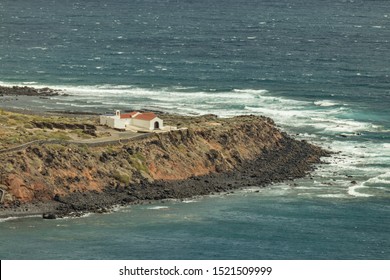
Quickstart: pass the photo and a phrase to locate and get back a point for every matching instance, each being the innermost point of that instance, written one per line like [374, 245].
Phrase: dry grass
[16, 128]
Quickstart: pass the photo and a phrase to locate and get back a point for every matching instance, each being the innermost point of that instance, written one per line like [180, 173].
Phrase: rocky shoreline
[268, 169]
[28, 91]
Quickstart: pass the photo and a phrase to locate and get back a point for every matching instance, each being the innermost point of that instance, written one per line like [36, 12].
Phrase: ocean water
[320, 69]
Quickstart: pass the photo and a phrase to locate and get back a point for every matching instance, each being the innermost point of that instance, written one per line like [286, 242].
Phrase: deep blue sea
[319, 68]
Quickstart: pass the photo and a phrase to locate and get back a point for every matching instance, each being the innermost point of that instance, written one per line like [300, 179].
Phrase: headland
[67, 164]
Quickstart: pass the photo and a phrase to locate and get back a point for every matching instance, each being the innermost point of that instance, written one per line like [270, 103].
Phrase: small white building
[146, 121]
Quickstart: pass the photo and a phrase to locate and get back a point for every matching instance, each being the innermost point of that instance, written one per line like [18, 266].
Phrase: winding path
[116, 138]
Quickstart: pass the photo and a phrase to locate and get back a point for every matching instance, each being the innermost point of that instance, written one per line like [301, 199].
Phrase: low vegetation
[16, 128]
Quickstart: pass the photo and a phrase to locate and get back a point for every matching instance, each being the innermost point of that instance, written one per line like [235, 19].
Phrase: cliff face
[210, 147]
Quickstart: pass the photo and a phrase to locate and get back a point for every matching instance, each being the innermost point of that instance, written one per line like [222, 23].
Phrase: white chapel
[146, 120]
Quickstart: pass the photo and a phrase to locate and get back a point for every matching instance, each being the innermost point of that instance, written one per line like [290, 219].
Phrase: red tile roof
[146, 116]
[128, 115]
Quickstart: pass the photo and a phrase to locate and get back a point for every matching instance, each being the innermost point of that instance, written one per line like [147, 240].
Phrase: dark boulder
[49, 216]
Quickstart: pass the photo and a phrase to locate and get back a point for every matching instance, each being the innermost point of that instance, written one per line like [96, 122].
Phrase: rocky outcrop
[29, 91]
[208, 157]
[63, 126]
[49, 216]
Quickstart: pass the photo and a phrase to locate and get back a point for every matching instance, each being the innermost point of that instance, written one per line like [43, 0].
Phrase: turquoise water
[245, 225]
[320, 69]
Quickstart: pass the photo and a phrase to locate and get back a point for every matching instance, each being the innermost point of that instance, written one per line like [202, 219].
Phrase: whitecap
[253, 91]
[332, 195]
[380, 179]
[333, 124]
[353, 191]
[189, 201]
[38, 48]
[325, 103]
[157, 207]
[306, 188]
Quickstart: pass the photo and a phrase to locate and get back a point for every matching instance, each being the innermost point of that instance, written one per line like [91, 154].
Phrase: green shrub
[121, 177]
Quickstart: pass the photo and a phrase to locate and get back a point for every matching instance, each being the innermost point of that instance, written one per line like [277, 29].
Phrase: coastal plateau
[208, 155]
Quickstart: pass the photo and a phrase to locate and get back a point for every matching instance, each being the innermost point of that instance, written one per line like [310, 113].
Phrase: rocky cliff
[211, 155]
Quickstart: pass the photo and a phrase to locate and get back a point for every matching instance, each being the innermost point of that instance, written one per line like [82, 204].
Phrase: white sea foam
[253, 91]
[306, 188]
[382, 179]
[84, 215]
[333, 124]
[189, 201]
[29, 83]
[333, 195]
[285, 111]
[357, 162]
[377, 180]
[353, 191]
[2, 220]
[251, 189]
[157, 207]
[38, 48]
[325, 103]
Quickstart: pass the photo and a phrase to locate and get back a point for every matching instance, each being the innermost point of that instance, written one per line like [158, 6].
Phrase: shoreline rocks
[49, 216]
[29, 91]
